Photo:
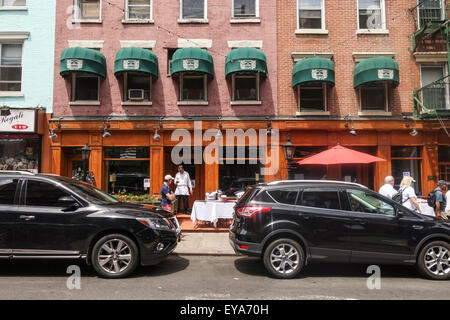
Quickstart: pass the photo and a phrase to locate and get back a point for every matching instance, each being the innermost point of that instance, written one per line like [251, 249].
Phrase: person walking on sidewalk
[440, 199]
[387, 189]
[183, 189]
[409, 198]
[167, 194]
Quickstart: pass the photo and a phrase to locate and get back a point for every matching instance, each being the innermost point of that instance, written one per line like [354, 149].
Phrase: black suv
[52, 217]
[291, 223]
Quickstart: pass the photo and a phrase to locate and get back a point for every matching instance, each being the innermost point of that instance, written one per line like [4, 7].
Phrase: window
[245, 8]
[374, 97]
[139, 10]
[263, 197]
[85, 87]
[7, 190]
[430, 11]
[287, 196]
[193, 9]
[361, 201]
[88, 9]
[406, 161]
[312, 97]
[11, 67]
[13, 3]
[371, 14]
[43, 194]
[444, 162]
[245, 87]
[436, 94]
[310, 14]
[325, 199]
[193, 87]
[137, 87]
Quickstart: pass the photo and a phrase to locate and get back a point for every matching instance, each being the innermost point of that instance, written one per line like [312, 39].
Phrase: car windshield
[90, 193]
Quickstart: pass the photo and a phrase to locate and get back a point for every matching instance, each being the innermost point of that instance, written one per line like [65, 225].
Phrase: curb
[206, 254]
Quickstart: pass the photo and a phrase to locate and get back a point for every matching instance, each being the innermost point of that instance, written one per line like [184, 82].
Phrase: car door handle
[27, 218]
[306, 217]
[361, 221]
[417, 227]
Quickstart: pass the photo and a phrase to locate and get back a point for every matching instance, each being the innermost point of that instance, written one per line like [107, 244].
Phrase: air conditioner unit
[136, 94]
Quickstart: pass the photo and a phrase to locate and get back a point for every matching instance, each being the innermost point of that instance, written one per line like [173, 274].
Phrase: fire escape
[432, 37]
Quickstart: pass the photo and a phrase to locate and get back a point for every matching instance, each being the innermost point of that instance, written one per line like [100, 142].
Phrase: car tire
[284, 258]
[115, 256]
[433, 261]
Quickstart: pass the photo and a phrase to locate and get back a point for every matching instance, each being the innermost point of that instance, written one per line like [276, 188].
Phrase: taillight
[251, 211]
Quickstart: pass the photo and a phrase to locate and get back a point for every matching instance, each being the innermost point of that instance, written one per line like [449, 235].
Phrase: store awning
[314, 69]
[79, 59]
[136, 60]
[245, 60]
[192, 60]
[378, 69]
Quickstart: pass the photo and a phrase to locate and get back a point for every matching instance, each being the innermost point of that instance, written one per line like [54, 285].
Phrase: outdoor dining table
[212, 210]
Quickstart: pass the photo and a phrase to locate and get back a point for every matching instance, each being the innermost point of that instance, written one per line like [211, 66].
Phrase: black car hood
[139, 210]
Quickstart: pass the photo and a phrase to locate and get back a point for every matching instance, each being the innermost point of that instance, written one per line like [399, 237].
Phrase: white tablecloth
[426, 209]
[212, 210]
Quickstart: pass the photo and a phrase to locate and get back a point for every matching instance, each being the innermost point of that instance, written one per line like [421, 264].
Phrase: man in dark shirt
[167, 194]
[441, 202]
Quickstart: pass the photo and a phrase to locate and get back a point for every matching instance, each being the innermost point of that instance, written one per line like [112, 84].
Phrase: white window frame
[74, 83]
[386, 100]
[256, 11]
[257, 75]
[126, 98]
[127, 16]
[322, 16]
[205, 12]
[324, 92]
[13, 7]
[14, 93]
[445, 73]
[77, 13]
[418, 11]
[205, 87]
[383, 16]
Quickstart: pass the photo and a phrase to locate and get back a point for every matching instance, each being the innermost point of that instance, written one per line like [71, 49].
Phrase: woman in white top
[409, 198]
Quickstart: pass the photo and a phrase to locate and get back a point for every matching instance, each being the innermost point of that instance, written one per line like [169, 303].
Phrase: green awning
[314, 69]
[192, 60]
[136, 60]
[378, 69]
[82, 60]
[245, 60]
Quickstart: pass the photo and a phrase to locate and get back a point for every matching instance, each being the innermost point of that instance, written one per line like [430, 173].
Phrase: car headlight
[156, 223]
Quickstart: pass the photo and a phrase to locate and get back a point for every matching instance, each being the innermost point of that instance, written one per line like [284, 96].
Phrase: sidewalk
[204, 243]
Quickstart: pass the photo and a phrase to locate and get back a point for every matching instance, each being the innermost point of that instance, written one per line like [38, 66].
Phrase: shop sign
[74, 64]
[18, 121]
[248, 64]
[319, 74]
[385, 74]
[131, 64]
[190, 64]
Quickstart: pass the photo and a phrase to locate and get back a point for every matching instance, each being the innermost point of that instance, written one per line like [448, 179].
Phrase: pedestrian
[183, 189]
[167, 194]
[409, 198]
[387, 189]
[440, 199]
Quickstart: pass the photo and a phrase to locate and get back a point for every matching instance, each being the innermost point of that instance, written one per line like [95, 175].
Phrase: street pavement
[193, 277]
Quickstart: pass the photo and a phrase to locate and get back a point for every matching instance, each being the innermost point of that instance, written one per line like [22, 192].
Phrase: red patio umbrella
[340, 155]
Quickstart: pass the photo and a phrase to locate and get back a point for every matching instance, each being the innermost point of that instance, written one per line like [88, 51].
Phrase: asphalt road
[202, 277]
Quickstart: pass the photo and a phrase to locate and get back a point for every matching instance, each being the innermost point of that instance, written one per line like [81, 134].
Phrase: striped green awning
[136, 60]
[82, 60]
[314, 69]
[378, 69]
[245, 60]
[192, 60]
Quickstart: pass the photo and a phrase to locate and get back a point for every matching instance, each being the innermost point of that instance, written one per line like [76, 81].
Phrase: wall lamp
[219, 130]
[269, 127]
[352, 130]
[156, 136]
[53, 134]
[406, 118]
[106, 133]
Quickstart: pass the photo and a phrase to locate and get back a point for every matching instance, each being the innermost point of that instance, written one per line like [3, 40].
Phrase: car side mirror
[68, 203]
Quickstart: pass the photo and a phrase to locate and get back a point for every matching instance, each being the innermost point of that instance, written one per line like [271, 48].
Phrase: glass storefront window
[19, 152]
[444, 162]
[127, 152]
[405, 152]
[406, 161]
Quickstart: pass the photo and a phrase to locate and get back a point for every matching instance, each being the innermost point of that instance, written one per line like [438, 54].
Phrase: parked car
[293, 223]
[52, 217]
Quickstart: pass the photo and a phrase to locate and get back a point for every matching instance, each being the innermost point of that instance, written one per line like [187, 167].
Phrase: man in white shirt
[387, 189]
[183, 190]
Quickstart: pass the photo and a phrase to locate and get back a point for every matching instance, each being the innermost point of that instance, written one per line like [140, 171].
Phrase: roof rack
[315, 181]
[16, 172]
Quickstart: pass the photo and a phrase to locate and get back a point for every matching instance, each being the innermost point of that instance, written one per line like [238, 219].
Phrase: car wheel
[284, 258]
[434, 260]
[115, 256]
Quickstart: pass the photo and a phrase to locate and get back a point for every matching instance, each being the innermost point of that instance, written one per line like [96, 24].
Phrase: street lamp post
[289, 150]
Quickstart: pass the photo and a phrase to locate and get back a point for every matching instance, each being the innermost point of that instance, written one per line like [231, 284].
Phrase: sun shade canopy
[82, 60]
[136, 60]
[192, 60]
[378, 69]
[315, 69]
[245, 60]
